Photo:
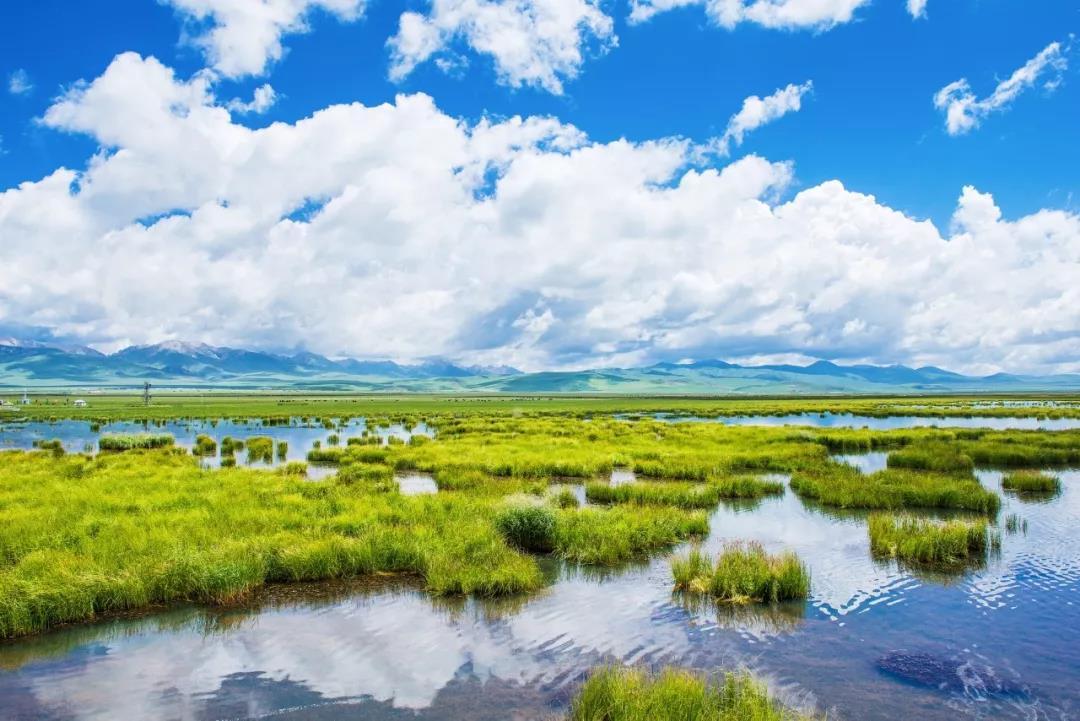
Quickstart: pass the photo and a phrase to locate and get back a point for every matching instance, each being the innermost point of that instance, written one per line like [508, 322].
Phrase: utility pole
[146, 393]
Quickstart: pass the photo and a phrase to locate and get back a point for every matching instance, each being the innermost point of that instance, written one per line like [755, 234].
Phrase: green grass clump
[938, 457]
[260, 448]
[843, 486]
[54, 445]
[619, 694]
[529, 527]
[229, 446]
[1031, 482]
[204, 446]
[282, 450]
[330, 456]
[926, 542]
[743, 573]
[608, 536]
[681, 495]
[292, 468]
[133, 441]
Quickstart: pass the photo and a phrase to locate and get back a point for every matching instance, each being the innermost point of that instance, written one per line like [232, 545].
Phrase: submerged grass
[743, 573]
[631, 694]
[927, 542]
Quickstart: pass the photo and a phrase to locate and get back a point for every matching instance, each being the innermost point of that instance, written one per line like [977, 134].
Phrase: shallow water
[850, 420]
[1010, 632]
[77, 437]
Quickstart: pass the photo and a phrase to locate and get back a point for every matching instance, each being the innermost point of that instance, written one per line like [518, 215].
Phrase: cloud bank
[399, 231]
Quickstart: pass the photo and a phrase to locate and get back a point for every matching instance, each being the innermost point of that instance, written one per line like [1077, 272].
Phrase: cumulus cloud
[757, 111]
[963, 111]
[517, 241]
[532, 42]
[917, 8]
[785, 14]
[19, 83]
[262, 100]
[242, 37]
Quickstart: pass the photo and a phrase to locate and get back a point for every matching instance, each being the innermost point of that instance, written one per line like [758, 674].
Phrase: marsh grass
[937, 457]
[204, 446]
[610, 536]
[930, 543]
[529, 527]
[843, 486]
[743, 573]
[633, 694]
[1032, 482]
[118, 442]
[150, 528]
[1014, 524]
[680, 494]
[260, 448]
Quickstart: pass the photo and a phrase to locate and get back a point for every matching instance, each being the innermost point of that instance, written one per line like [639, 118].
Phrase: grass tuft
[620, 694]
[925, 542]
[1031, 482]
[743, 573]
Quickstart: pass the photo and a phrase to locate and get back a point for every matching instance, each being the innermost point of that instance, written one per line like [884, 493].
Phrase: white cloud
[19, 83]
[785, 14]
[262, 100]
[917, 8]
[242, 37]
[963, 111]
[577, 252]
[532, 42]
[757, 111]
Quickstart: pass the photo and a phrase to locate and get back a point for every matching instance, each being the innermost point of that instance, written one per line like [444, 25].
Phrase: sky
[547, 184]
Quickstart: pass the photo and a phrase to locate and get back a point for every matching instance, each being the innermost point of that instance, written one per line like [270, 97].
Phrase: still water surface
[874, 642]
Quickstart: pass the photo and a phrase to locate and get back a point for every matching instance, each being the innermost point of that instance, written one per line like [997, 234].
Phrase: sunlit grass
[631, 694]
[743, 573]
[928, 542]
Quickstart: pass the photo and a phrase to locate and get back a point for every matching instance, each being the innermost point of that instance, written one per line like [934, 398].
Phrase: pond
[79, 436]
[874, 641]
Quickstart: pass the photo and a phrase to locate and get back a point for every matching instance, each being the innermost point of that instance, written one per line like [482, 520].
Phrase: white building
[80, 403]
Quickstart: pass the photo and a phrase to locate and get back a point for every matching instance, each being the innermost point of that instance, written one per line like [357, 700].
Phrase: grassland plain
[223, 404]
[146, 527]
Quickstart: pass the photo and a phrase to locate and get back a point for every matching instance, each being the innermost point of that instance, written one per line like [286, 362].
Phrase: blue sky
[869, 121]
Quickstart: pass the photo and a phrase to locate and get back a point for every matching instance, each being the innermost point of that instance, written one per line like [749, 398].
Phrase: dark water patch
[951, 673]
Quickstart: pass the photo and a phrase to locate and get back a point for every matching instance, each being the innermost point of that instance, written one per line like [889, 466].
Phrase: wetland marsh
[485, 565]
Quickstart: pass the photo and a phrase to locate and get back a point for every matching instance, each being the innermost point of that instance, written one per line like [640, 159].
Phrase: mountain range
[33, 364]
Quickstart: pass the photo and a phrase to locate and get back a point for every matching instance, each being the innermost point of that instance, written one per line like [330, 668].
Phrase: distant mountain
[178, 364]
